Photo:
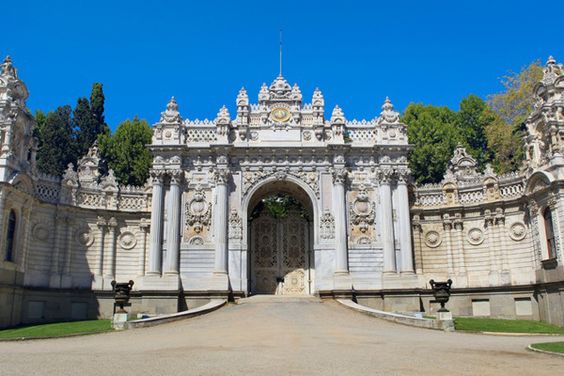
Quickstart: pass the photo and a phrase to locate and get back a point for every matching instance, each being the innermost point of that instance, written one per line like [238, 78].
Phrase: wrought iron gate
[280, 254]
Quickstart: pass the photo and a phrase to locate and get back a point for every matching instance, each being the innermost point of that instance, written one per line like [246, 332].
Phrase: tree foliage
[471, 126]
[57, 146]
[515, 103]
[88, 119]
[433, 133]
[126, 153]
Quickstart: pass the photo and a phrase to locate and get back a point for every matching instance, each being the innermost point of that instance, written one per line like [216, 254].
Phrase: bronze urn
[441, 292]
[121, 294]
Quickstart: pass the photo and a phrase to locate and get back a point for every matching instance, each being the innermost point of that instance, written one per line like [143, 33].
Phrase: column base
[403, 280]
[219, 281]
[342, 280]
[156, 282]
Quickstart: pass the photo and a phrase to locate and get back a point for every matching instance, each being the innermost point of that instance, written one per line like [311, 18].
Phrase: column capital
[157, 176]
[112, 223]
[221, 176]
[101, 222]
[403, 174]
[339, 175]
[385, 175]
[145, 224]
[176, 176]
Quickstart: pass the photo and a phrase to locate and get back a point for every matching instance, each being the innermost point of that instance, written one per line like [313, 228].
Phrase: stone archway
[280, 241]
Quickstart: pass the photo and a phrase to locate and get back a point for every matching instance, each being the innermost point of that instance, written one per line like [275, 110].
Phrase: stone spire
[388, 115]
[171, 114]
[8, 69]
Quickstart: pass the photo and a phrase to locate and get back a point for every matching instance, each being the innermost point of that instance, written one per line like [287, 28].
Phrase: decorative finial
[551, 60]
[388, 115]
[171, 114]
[7, 67]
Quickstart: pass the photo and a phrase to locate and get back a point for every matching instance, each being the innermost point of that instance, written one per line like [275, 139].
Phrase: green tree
[88, 119]
[57, 146]
[432, 130]
[471, 123]
[126, 153]
[504, 142]
[510, 110]
[515, 103]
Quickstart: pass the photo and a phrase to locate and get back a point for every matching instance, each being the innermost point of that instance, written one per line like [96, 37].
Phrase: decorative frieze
[235, 230]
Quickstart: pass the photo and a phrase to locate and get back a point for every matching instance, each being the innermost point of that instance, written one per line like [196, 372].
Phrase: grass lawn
[57, 329]
[476, 324]
[550, 346]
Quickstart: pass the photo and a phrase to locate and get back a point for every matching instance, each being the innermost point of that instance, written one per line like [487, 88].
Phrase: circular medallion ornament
[85, 237]
[127, 240]
[433, 239]
[475, 236]
[280, 114]
[517, 231]
[40, 232]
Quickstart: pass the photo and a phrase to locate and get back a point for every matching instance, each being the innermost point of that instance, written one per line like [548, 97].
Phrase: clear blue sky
[202, 52]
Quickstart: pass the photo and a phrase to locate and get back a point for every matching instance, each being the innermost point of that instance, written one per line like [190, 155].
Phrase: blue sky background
[202, 52]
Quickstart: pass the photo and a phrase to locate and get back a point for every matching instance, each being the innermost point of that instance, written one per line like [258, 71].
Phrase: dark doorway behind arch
[280, 234]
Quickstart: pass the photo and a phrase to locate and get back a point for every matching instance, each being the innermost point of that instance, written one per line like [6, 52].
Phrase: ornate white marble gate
[280, 254]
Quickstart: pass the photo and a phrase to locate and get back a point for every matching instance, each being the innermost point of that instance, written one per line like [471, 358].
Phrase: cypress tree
[57, 146]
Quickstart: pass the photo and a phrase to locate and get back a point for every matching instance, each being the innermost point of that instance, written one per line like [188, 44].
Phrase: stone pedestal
[342, 281]
[119, 320]
[442, 316]
[168, 282]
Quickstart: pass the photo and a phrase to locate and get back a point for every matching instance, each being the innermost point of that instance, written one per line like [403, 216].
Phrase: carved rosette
[127, 240]
[84, 236]
[518, 231]
[198, 211]
[327, 225]
[475, 236]
[362, 211]
[433, 239]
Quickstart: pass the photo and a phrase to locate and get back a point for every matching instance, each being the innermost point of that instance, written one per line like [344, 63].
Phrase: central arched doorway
[280, 233]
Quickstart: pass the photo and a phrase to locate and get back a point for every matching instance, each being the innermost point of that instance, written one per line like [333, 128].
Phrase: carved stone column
[100, 265]
[111, 259]
[447, 226]
[458, 224]
[173, 233]
[417, 231]
[144, 226]
[55, 272]
[339, 180]
[155, 252]
[385, 176]
[221, 176]
[405, 228]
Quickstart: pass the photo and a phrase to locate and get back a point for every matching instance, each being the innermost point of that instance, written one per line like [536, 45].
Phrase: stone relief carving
[327, 225]
[84, 236]
[196, 240]
[251, 178]
[235, 225]
[40, 232]
[198, 211]
[433, 239]
[127, 240]
[518, 231]
[362, 211]
[475, 236]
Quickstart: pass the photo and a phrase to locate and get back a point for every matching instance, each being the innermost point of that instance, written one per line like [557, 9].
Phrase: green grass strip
[57, 329]
[557, 347]
[475, 324]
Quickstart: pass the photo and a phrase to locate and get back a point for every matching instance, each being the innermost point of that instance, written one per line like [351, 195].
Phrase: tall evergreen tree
[97, 100]
[88, 119]
[126, 153]
[57, 146]
[433, 132]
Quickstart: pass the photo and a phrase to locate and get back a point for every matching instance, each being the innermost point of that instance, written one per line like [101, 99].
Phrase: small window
[11, 236]
[549, 230]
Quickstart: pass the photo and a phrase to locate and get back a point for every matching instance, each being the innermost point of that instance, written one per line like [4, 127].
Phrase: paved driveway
[269, 336]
